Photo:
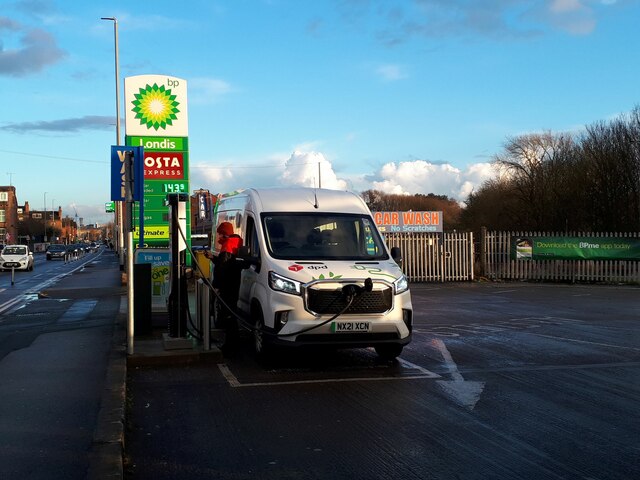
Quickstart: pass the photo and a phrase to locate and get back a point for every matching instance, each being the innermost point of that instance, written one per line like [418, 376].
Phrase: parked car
[57, 251]
[16, 256]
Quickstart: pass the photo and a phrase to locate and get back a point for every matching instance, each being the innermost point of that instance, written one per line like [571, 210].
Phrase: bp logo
[155, 107]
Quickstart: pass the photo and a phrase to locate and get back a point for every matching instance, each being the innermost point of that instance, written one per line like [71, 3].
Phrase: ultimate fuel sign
[156, 119]
[575, 248]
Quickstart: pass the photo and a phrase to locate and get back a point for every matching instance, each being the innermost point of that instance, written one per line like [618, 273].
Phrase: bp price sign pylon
[156, 119]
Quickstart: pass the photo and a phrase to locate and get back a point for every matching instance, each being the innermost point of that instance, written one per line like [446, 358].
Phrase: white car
[16, 256]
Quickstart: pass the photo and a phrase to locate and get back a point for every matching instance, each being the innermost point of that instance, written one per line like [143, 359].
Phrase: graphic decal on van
[295, 267]
[373, 271]
[331, 276]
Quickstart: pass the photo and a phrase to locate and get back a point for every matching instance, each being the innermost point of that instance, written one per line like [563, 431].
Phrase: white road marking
[37, 288]
[586, 341]
[231, 378]
[234, 382]
[464, 393]
[427, 373]
[11, 303]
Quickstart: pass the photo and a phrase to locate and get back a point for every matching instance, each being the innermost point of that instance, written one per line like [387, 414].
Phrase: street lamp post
[45, 218]
[53, 217]
[119, 208]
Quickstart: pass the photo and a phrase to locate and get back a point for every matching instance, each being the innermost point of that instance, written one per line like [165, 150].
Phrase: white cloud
[391, 73]
[572, 16]
[562, 6]
[301, 169]
[208, 90]
[309, 169]
[420, 176]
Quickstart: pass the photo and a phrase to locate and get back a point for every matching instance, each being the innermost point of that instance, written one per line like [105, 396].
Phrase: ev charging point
[177, 303]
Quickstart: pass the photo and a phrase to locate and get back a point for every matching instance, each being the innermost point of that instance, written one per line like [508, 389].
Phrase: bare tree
[531, 164]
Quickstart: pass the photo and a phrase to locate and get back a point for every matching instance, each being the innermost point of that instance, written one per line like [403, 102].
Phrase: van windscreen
[322, 236]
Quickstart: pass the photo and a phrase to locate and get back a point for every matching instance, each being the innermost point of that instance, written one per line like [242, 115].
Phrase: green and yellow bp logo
[155, 106]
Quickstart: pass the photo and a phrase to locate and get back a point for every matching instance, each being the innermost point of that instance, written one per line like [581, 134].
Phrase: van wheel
[260, 345]
[388, 351]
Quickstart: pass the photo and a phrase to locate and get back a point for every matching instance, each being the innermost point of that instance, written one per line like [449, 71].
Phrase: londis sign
[408, 221]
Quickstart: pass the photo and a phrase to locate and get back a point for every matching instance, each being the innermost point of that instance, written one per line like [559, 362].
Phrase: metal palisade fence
[497, 263]
[435, 257]
[453, 257]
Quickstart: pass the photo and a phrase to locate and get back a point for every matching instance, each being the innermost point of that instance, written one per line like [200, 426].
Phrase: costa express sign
[161, 165]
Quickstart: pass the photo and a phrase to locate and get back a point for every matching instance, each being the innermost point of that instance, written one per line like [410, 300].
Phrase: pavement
[154, 350]
[65, 371]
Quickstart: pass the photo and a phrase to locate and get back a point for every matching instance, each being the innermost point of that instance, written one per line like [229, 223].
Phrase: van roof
[299, 199]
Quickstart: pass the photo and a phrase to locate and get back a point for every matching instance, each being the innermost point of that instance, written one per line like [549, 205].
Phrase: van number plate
[351, 327]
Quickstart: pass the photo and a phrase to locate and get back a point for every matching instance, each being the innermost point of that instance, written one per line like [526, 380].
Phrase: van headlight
[283, 284]
[401, 284]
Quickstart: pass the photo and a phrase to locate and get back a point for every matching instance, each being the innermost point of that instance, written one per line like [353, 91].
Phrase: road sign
[118, 158]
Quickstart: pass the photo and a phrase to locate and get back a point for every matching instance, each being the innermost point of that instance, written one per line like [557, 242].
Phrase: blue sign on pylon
[117, 172]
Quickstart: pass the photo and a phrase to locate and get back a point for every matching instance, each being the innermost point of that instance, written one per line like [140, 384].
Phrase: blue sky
[405, 96]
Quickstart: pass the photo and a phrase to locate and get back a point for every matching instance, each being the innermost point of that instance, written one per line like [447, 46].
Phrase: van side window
[252, 237]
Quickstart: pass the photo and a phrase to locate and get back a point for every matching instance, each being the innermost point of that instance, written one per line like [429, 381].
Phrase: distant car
[16, 256]
[57, 251]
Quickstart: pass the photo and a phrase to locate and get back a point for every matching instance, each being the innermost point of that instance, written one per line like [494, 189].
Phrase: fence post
[441, 257]
[472, 256]
[483, 251]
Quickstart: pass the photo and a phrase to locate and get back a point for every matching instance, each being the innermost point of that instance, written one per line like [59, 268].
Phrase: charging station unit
[178, 298]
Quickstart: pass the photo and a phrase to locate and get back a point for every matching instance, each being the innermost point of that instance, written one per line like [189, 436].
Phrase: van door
[249, 276]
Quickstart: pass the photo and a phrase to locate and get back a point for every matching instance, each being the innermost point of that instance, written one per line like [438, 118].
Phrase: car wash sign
[156, 119]
[408, 222]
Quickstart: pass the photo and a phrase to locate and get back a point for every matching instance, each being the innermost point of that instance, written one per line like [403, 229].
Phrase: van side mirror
[247, 259]
[396, 254]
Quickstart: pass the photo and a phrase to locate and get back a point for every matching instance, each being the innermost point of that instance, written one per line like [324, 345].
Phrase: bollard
[203, 319]
[13, 275]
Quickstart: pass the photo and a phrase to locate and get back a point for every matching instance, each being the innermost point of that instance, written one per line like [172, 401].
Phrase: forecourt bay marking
[234, 382]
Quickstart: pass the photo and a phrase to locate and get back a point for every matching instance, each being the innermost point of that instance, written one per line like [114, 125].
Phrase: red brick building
[8, 215]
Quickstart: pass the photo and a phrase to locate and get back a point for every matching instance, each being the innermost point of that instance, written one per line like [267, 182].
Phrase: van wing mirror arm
[396, 254]
[245, 257]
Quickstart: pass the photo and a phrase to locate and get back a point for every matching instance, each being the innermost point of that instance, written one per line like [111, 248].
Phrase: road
[56, 331]
[21, 286]
[501, 381]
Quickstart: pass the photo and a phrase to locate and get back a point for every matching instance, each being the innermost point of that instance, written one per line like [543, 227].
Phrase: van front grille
[329, 302]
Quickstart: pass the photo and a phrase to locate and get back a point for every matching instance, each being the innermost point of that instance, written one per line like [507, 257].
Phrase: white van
[316, 271]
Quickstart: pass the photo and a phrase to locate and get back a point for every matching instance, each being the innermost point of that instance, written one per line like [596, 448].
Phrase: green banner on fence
[575, 248]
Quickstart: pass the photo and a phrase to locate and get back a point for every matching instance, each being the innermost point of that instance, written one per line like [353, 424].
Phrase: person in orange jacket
[226, 271]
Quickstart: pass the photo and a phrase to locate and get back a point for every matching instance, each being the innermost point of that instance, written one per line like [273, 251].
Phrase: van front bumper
[344, 340]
